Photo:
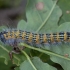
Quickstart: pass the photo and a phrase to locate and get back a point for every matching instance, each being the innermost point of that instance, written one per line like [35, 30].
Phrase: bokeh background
[12, 11]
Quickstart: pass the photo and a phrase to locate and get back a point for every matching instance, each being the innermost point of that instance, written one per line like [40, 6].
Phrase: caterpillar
[13, 37]
[16, 36]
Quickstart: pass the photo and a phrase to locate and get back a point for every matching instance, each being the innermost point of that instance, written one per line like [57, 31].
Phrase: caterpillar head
[2, 37]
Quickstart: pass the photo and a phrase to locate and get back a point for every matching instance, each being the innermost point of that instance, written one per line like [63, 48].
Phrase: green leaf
[65, 27]
[44, 22]
[4, 66]
[17, 68]
[41, 20]
[5, 50]
[3, 54]
[39, 65]
[65, 6]
[63, 49]
[21, 25]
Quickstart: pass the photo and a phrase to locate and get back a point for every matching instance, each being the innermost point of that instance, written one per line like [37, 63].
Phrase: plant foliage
[43, 16]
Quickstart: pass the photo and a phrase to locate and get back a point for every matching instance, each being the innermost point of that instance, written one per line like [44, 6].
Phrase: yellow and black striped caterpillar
[16, 36]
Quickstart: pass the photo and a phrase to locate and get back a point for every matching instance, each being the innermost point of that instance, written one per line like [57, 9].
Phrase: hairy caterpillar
[13, 37]
[16, 36]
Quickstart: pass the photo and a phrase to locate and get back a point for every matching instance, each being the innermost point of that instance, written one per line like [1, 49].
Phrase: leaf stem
[46, 52]
[47, 17]
[28, 59]
[4, 48]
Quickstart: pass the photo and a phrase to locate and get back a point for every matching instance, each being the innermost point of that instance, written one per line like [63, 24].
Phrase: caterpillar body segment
[12, 36]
